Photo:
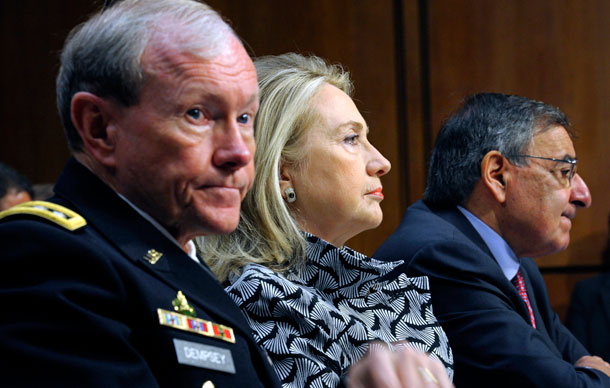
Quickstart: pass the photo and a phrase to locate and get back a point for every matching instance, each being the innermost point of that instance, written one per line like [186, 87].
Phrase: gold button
[208, 384]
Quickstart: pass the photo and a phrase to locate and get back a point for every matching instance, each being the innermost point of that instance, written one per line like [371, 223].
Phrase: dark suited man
[502, 188]
[588, 316]
[101, 285]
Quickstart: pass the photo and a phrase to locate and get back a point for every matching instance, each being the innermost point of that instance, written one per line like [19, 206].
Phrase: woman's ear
[285, 178]
[495, 170]
[91, 116]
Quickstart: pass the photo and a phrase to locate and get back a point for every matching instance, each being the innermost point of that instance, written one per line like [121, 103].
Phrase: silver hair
[103, 55]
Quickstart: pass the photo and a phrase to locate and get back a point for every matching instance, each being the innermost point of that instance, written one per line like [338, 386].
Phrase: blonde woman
[314, 304]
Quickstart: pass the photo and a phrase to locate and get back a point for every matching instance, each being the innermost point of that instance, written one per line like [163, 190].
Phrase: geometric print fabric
[316, 321]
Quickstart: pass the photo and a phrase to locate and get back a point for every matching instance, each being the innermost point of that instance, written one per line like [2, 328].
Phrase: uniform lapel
[135, 237]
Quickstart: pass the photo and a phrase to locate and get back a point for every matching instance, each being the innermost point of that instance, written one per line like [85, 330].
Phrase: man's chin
[222, 221]
[559, 246]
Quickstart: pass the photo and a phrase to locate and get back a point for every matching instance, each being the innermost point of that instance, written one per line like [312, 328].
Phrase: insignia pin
[182, 306]
[152, 256]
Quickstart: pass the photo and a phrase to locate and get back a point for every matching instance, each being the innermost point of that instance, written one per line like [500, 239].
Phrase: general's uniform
[113, 302]
[485, 318]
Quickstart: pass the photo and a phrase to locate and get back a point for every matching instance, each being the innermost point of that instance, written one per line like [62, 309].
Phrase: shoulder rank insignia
[50, 211]
[195, 325]
[182, 306]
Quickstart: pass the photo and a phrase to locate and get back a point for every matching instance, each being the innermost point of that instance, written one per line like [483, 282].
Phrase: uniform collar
[192, 252]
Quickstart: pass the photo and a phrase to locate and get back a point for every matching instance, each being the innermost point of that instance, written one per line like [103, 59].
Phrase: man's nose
[580, 195]
[234, 147]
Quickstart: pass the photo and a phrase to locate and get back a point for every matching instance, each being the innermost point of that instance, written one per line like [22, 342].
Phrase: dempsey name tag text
[204, 356]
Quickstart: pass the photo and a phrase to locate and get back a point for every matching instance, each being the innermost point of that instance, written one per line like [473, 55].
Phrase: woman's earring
[291, 196]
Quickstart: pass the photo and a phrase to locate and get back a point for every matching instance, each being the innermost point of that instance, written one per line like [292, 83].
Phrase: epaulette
[50, 211]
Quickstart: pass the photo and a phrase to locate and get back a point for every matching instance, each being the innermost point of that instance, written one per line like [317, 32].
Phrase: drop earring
[291, 196]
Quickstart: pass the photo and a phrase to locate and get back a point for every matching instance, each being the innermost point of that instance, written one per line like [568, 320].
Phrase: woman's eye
[243, 119]
[351, 139]
[195, 113]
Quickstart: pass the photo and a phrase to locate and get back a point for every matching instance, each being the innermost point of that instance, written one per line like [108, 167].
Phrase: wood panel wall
[412, 62]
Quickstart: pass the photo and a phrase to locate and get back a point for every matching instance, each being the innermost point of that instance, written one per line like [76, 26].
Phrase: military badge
[152, 256]
[182, 306]
[195, 325]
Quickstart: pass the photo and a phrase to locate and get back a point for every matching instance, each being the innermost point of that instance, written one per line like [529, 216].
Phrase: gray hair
[485, 122]
[102, 55]
[267, 232]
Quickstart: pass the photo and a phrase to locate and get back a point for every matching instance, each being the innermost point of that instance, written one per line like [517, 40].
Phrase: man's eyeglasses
[571, 162]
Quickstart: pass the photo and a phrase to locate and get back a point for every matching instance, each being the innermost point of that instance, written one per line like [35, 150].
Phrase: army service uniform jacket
[113, 303]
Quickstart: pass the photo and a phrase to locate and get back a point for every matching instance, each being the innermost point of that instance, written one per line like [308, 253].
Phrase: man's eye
[195, 113]
[244, 119]
[351, 139]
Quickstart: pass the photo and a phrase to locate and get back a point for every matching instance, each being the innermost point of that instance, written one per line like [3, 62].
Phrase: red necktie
[520, 284]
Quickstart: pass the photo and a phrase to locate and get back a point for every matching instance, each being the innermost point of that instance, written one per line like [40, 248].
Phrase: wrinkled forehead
[165, 46]
[554, 141]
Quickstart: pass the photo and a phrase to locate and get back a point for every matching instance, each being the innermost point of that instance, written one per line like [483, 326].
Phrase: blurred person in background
[14, 187]
[588, 316]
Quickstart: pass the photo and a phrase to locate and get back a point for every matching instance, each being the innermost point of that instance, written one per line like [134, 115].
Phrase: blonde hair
[267, 232]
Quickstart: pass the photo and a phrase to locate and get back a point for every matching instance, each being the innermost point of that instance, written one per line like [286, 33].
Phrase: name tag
[204, 356]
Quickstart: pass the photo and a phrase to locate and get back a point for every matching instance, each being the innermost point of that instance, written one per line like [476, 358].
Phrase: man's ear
[494, 173]
[91, 116]
[285, 178]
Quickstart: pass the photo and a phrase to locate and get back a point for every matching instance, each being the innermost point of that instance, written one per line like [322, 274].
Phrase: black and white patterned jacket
[317, 321]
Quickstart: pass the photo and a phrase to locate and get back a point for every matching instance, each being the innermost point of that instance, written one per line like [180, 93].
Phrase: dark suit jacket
[482, 313]
[589, 314]
[79, 308]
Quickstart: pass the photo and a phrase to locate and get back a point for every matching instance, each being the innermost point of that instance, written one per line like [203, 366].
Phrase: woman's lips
[378, 192]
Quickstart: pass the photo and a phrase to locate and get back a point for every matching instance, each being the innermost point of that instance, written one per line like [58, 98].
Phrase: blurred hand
[595, 363]
[405, 368]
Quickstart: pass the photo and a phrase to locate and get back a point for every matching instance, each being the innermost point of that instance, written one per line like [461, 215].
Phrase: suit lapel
[605, 291]
[457, 219]
[134, 236]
